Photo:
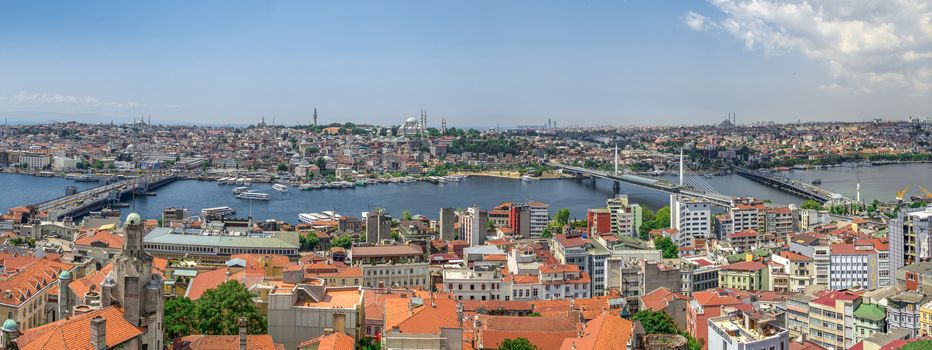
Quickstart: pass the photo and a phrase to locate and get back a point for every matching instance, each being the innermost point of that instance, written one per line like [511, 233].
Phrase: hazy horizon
[476, 63]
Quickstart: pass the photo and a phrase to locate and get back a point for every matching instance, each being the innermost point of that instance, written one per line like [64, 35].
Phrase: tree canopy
[667, 247]
[217, 312]
[659, 322]
[811, 204]
[219, 309]
[344, 241]
[562, 217]
[516, 344]
[652, 221]
[308, 241]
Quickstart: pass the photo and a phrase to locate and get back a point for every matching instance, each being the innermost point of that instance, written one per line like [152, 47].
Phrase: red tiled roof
[83, 285]
[829, 298]
[791, 256]
[743, 234]
[224, 342]
[75, 333]
[745, 266]
[606, 332]
[659, 298]
[332, 341]
[30, 280]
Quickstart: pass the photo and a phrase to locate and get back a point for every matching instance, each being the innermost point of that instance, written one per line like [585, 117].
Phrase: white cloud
[866, 46]
[696, 21]
[58, 99]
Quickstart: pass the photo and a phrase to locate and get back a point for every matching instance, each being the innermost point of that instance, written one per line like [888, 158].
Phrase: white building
[743, 331]
[64, 163]
[35, 161]
[625, 217]
[473, 224]
[539, 217]
[693, 218]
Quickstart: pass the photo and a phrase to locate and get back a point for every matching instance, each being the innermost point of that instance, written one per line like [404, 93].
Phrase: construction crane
[901, 194]
[926, 192]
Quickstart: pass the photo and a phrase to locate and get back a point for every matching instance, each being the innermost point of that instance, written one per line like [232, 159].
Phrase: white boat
[239, 190]
[529, 178]
[247, 181]
[254, 196]
[280, 188]
[217, 211]
[306, 187]
[239, 181]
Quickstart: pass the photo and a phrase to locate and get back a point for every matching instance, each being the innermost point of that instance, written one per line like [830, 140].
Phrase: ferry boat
[280, 188]
[254, 196]
[247, 181]
[239, 190]
[239, 181]
[217, 211]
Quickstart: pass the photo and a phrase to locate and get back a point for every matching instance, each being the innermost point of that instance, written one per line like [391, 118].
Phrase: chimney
[242, 333]
[98, 333]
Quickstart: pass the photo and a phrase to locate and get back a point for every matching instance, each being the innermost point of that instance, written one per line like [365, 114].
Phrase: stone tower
[64, 295]
[133, 285]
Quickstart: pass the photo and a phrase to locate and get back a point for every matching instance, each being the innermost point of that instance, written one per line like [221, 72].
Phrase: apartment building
[799, 268]
[391, 266]
[744, 241]
[474, 225]
[910, 235]
[26, 292]
[692, 218]
[855, 265]
[831, 319]
[625, 217]
[741, 330]
[305, 311]
[748, 275]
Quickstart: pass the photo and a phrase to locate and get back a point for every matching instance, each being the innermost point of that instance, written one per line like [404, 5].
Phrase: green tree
[406, 215]
[282, 167]
[179, 317]
[667, 247]
[811, 204]
[659, 322]
[918, 345]
[562, 217]
[308, 241]
[516, 344]
[652, 221]
[219, 309]
[344, 241]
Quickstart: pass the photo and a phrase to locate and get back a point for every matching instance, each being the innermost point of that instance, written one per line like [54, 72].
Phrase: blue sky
[477, 63]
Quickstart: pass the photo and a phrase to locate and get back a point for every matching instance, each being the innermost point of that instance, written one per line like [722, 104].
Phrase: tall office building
[447, 217]
[692, 218]
[910, 235]
[378, 226]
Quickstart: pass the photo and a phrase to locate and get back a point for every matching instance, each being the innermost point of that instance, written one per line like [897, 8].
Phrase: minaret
[443, 126]
[424, 120]
[315, 116]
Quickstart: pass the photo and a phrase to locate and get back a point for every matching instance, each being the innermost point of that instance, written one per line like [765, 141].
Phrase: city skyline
[475, 64]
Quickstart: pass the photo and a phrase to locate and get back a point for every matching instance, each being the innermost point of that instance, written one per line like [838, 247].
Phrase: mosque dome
[65, 275]
[411, 120]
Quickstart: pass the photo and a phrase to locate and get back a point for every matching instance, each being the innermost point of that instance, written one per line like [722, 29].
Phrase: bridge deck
[651, 183]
